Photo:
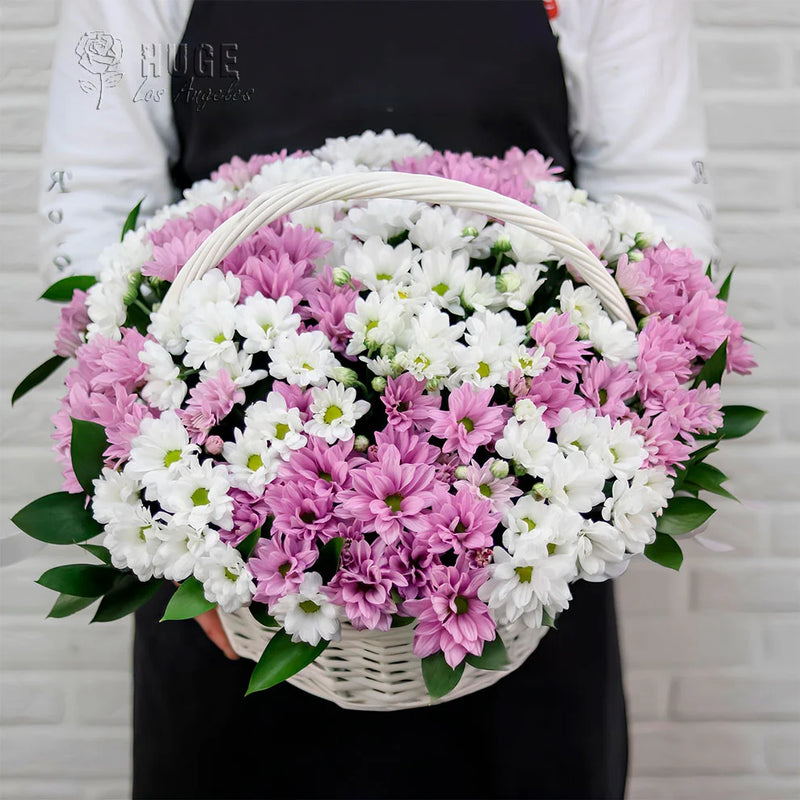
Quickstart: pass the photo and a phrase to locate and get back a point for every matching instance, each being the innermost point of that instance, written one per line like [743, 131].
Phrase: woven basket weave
[377, 670]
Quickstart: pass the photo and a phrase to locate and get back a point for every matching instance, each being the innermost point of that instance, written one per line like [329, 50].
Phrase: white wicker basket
[377, 670]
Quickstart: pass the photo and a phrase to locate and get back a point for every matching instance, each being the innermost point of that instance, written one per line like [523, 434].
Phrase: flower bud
[361, 444]
[134, 279]
[507, 282]
[502, 245]
[641, 241]
[341, 277]
[470, 232]
[583, 330]
[432, 384]
[540, 491]
[214, 445]
[379, 383]
[525, 409]
[388, 351]
[461, 473]
[499, 468]
[635, 255]
[345, 376]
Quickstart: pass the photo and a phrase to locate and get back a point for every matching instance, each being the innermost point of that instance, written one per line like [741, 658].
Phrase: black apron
[478, 76]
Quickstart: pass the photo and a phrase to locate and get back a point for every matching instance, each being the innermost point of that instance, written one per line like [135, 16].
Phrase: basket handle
[288, 197]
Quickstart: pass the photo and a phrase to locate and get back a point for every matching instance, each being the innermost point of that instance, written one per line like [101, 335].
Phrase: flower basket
[381, 411]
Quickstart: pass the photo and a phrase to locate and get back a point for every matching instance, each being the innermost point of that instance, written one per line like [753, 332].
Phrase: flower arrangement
[378, 413]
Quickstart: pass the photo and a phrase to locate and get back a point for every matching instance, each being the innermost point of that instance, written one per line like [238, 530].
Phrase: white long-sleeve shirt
[635, 119]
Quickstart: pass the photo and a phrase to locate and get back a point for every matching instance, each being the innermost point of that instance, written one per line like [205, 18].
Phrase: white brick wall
[712, 653]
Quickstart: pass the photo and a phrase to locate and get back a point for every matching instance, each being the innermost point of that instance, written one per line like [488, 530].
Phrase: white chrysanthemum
[288, 170]
[207, 192]
[375, 263]
[132, 541]
[573, 483]
[252, 463]
[626, 450]
[581, 303]
[334, 411]
[527, 247]
[630, 510]
[480, 291]
[493, 328]
[160, 450]
[483, 366]
[115, 494]
[165, 326]
[440, 277]
[518, 283]
[276, 423]
[583, 431]
[225, 577]
[308, 615]
[530, 361]
[523, 588]
[373, 150]
[260, 320]
[631, 226]
[527, 443]
[303, 359]
[374, 321]
[198, 496]
[382, 218]
[431, 345]
[599, 546]
[214, 287]
[164, 388]
[209, 330]
[438, 228]
[528, 515]
[614, 341]
[179, 547]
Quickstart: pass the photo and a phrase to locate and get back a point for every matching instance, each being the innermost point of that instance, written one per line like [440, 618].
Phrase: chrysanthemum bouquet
[383, 412]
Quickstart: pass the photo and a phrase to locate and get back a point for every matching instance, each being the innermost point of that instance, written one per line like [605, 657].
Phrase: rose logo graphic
[100, 54]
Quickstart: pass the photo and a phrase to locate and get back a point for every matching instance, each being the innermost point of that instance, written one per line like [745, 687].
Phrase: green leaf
[548, 621]
[58, 518]
[98, 551]
[703, 452]
[329, 554]
[130, 220]
[494, 655]
[281, 659]
[682, 515]
[738, 421]
[86, 448]
[262, 615]
[246, 546]
[401, 622]
[725, 289]
[439, 678]
[665, 551]
[67, 604]
[80, 580]
[188, 601]
[708, 477]
[713, 370]
[61, 291]
[709, 272]
[125, 597]
[34, 378]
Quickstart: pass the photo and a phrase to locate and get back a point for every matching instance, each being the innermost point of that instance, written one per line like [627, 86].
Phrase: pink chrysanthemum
[452, 618]
[498, 492]
[407, 404]
[469, 422]
[363, 586]
[558, 336]
[74, 319]
[278, 565]
[390, 495]
[249, 512]
[464, 521]
[209, 403]
[607, 387]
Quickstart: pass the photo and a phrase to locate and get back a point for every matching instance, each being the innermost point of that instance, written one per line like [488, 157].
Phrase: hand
[212, 627]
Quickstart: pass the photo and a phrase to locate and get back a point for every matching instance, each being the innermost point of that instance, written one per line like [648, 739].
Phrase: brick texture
[711, 653]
